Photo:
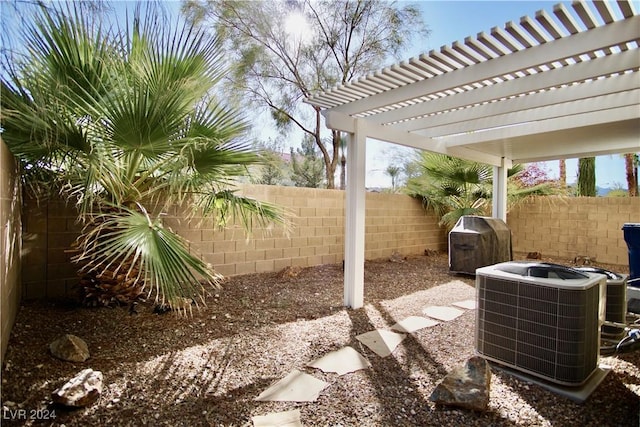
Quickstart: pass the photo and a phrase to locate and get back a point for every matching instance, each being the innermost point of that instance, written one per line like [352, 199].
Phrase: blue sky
[450, 21]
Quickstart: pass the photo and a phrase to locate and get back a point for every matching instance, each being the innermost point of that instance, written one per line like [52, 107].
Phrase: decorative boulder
[80, 391]
[466, 387]
[70, 348]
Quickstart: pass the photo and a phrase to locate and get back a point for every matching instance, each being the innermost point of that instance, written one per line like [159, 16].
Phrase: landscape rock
[534, 255]
[70, 348]
[466, 387]
[290, 272]
[397, 257]
[80, 391]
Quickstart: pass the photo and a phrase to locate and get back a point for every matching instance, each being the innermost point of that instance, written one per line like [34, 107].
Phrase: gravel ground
[207, 369]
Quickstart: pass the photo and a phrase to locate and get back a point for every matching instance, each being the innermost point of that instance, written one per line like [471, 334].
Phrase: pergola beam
[567, 109]
[621, 137]
[344, 123]
[610, 115]
[536, 82]
[597, 38]
[429, 125]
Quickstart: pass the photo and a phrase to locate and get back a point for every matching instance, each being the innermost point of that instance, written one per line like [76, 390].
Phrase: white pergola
[564, 84]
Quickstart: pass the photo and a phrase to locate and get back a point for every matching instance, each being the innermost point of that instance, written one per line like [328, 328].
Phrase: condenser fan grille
[547, 331]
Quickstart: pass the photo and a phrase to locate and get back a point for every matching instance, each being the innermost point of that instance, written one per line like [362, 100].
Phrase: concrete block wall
[10, 245]
[577, 226]
[560, 227]
[394, 223]
[48, 232]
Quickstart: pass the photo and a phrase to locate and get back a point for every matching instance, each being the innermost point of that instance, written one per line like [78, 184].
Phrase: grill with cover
[478, 241]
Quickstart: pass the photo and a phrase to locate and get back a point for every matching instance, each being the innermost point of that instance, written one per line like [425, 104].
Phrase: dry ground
[208, 369]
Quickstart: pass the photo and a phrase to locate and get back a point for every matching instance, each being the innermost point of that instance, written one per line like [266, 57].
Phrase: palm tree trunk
[563, 173]
[632, 179]
[109, 285]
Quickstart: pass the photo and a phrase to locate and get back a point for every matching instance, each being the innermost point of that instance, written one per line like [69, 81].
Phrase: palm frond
[120, 240]
[227, 206]
[455, 187]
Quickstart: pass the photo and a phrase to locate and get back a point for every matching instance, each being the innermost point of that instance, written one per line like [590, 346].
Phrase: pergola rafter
[562, 84]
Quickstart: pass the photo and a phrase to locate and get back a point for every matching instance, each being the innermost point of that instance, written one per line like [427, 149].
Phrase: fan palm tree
[394, 172]
[125, 122]
[454, 187]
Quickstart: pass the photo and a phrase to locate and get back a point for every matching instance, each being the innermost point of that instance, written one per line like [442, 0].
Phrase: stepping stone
[278, 419]
[381, 342]
[413, 323]
[442, 313]
[295, 387]
[341, 361]
[468, 304]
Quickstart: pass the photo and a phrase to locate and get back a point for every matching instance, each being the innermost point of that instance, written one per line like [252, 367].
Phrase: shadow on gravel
[401, 402]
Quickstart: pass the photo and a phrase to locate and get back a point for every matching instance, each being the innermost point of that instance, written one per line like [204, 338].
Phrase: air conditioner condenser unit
[541, 319]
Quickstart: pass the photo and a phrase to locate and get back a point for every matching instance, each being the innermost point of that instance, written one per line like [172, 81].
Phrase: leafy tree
[274, 169]
[533, 174]
[123, 122]
[406, 161]
[454, 187]
[308, 169]
[287, 51]
[587, 177]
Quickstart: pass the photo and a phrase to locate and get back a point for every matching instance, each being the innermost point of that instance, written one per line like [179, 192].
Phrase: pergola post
[355, 219]
[499, 209]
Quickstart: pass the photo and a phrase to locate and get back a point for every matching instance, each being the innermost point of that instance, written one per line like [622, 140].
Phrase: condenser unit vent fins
[545, 327]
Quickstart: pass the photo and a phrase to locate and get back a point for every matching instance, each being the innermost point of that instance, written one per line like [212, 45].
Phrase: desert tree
[307, 168]
[274, 169]
[288, 50]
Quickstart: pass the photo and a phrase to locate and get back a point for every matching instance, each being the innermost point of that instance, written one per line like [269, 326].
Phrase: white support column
[500, 190]
[355, 218]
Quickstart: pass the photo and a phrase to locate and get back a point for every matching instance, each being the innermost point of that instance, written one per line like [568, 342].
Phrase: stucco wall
[10, 239]
[393, 223]
[576, 226]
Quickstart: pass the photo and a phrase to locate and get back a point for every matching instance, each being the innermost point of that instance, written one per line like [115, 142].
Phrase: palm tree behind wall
[631, 168]
[394, 173]
[454, 187]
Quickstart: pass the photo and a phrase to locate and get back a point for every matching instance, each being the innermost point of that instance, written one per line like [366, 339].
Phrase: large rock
[80, 391]
[466, 387]
[70, 348]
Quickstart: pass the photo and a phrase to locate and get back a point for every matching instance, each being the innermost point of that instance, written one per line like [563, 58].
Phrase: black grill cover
[478, 241]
